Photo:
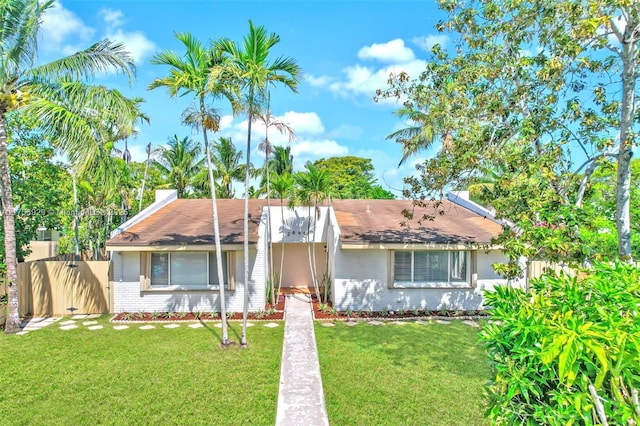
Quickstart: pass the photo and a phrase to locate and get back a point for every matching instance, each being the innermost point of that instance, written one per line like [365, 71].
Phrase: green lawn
[408, 374]
[135, 377]
[392, 375]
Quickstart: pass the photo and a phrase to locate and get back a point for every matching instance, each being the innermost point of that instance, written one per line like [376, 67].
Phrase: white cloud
[366, 80]
[427, 42]
[136, 43]
[113, 18]
[311, 150]
[304, 123]
[393, 51]
[59, 25]
[320, 81]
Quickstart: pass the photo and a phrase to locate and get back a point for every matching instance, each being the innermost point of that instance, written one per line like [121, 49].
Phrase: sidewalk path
[300, 396]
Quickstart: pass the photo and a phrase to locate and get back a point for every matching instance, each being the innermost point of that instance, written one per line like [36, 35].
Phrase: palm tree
[57, 96]
[269, 121]
[180, 163]
[421, 134]
[312, 188]
[282, 186]
[192, 74]
[227, 166]
[252, 70]
[282, 160]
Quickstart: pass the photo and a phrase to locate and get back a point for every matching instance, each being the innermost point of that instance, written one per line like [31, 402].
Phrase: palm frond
[100, 58]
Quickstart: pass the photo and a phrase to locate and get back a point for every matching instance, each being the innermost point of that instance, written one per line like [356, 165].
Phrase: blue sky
[346, 49]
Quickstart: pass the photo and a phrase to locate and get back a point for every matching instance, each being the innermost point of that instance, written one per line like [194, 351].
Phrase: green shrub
[568, 352]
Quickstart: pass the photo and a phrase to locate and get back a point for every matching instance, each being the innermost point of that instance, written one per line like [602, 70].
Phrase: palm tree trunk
[245, 299]
[144, 177]
[269, 234]
[312, 268]
[12, 324]
[216, 231]
[281, 248]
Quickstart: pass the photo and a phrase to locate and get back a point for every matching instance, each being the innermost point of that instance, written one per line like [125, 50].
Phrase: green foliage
[40, 185]
[549, 346]
[352, 177]
[525, 97]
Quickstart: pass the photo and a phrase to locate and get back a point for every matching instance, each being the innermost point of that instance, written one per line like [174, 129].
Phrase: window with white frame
[431, 268]
[187, 270]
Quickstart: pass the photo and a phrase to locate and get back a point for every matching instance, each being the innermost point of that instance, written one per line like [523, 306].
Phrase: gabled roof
[190, 222]
[379, 221]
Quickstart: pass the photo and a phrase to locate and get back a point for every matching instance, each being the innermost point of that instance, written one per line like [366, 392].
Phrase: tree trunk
[630, 65]
[245, 299]
[12, 324]
[281, 247]
[216, 231]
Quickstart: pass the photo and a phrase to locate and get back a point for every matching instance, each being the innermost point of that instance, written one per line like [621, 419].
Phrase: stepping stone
[36, 326]
[443, 322]
[218, 325]
[90, 323]
[120, 327]
[68, 322]
[471, 323]
[95, 327]
[351, 323]
[271, 325]
[422, 322]
[197, 325]
[328, 324]
[68, 327]
[79, 316]
[250, 324]
[22, 333]
[400, 322]
[93, 316]
[376, 322]
[148, 327]
[171, 325]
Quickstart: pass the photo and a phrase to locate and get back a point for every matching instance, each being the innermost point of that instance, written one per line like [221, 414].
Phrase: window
[187, 270]
[431, 269]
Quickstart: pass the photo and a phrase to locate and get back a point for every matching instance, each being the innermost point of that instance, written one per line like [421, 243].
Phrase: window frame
[468, 282]
[147, 278]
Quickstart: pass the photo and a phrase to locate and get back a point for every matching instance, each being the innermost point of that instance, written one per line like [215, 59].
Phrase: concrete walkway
[300, 394]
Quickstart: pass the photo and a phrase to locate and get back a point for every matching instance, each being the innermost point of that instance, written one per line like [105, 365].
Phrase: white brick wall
[128, 297]
[361, 284]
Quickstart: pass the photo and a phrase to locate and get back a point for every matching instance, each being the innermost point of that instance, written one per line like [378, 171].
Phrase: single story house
[164, 257]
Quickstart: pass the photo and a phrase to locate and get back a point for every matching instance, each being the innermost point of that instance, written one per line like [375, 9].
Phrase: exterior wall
[129, 298]
[361, 284]
[41, 250]
[296, 263]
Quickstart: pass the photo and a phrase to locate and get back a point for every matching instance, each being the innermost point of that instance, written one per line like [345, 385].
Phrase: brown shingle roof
[186, 221]
[379, 221]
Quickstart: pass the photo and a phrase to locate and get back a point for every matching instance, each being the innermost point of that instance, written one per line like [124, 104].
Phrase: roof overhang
[176, 247]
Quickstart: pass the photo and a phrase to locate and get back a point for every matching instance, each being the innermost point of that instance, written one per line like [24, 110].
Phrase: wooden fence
[47, 288]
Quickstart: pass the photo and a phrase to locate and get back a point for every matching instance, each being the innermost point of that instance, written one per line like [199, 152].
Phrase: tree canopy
[541, 91]
[352, 177]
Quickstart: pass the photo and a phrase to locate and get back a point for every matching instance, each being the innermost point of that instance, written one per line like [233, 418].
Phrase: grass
[161, 376]
[403, 374]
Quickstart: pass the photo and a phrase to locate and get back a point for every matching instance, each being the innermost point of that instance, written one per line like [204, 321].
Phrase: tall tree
[180, 163]
[253, 70]
[265, 146]
[282, 160]
[282, 188]
[352, 177]
[227, 167]
[56, 95]
[311, 189]
[539, 87]
[191, 73]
